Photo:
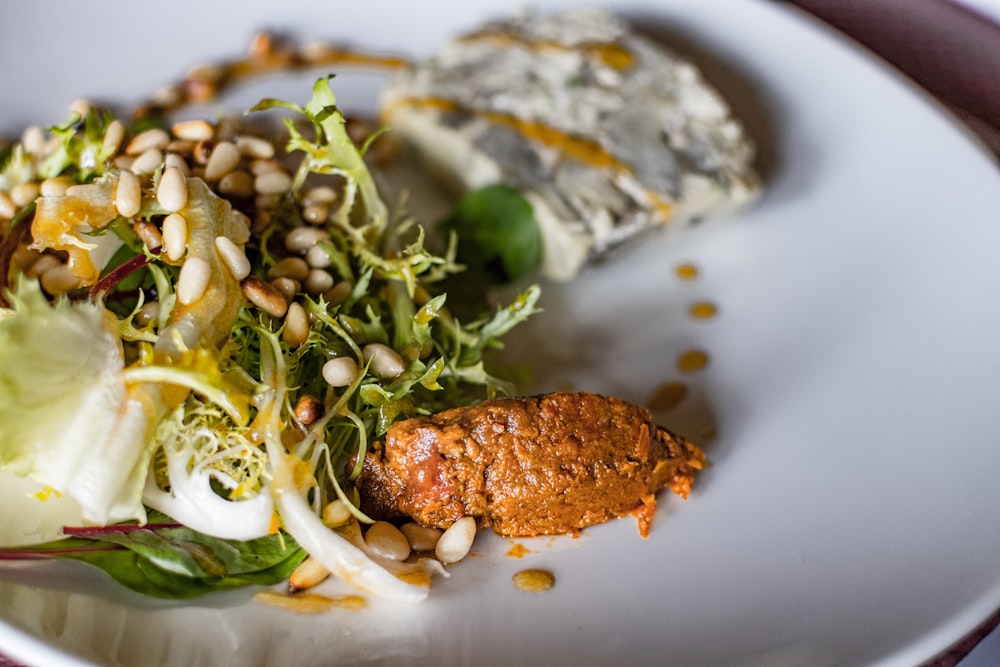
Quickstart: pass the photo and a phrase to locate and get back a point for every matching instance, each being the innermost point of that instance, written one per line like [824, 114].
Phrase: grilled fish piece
[606, 132]
[544, 465]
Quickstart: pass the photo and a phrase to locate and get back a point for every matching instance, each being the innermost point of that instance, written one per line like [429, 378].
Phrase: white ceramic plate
[850, 514]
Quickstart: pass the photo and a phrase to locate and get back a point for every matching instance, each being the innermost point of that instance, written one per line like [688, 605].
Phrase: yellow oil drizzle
[611, 54]
[667, 396]
[702, 310]
[691, 361]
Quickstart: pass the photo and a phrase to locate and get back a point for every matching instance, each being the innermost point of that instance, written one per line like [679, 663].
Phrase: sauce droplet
[518, 550]
[533, 581]
[691, 361]
[702, 310]
[686, 271]
[668, 395]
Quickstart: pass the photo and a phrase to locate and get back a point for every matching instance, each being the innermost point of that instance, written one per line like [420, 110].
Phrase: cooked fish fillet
[545, 465]
[607, 133]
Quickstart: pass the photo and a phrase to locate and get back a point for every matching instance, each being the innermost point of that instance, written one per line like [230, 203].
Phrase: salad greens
[191, 411]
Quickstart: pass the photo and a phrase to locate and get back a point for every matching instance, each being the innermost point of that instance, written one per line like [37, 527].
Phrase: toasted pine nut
[273, 183]
[7, 207]
[336, 513]
[193, 280]
[321, 194]
[23, 194]
[289, 267]
[224, 158]
[296, 325]
[233, 257]
[59, 279]
[175, 233]
[318, 281]
[193, 130]
[178, 162]
[82, 190]
[202, 151]
[43, 264]
[385, 361]
[144, 141]
[339, 293]
[421, 538]
[266, 297]
[318, 258]
[114, 134]
[255, 147]
[301, 239]
[309, 573]
[456, 541]
[149, 312]
[80, 106]
[55, 187]
[237, 183]
[147, 162]
[308, 409]
[128, 194]
[33, 140]
[340, 371]
[149, 234]
[259, 167]
[172, 192]
[123, 162]
[289, 287]
[316, 214]
[385, 540]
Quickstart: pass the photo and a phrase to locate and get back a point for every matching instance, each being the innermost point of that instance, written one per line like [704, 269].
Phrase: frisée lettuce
[128, 395]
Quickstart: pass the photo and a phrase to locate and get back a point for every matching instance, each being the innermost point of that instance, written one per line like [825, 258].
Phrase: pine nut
[340, 371]
[148, 162]
[289, 267]
[149, 234]
[385, 540]
[83, 190]
[128, 194]
[193, 130]
[318, 281]
[114, 135]
[236, 183]
[301, 239]
[384, 360]
[255, 147]
[149, 313]
[233, 257]
[59, 279]
[318, 258]
[33, 140]
[273, 183]
[80, 106]
[421, 538]
[264, 296]
[123, 162]
[23, 194]
[321, 194]
[308, 409]
[202, 151]
[43, 264]
[260, 167]
[175, 236]
[296, 329]
[339, 293]
[55, 187]
[144, 141]
[336, 513]
[316, 214]
[7, 207]
[309, 573]
[288, 287]
[172, 192]
[456, 541]
[178, 162]
[193, 280]
[25, 257]
[263, 202]
[167, 97]
[181, 147]
[224, 158]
